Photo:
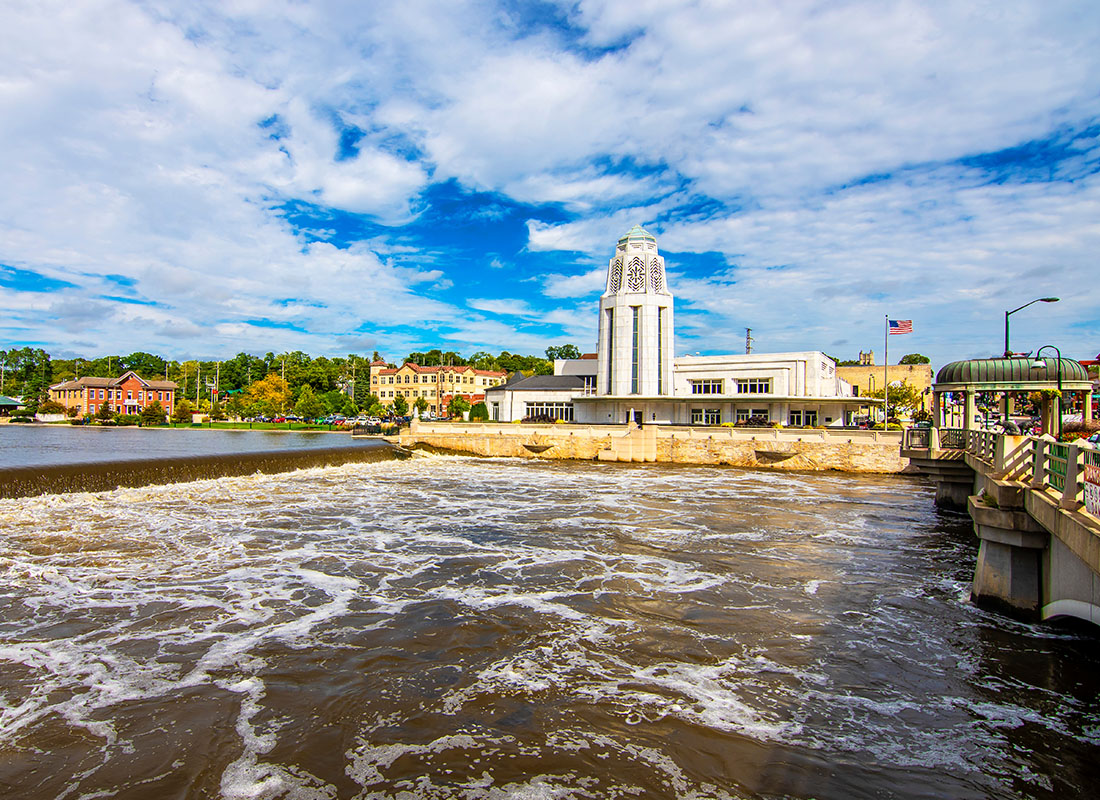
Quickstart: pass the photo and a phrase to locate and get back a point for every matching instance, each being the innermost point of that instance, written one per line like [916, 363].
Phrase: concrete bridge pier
[1008, 575]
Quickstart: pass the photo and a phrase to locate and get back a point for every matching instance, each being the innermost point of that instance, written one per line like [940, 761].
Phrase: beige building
[437, 385]
[866, 377]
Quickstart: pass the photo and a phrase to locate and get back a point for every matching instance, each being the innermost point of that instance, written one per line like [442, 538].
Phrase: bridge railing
[951, 438]
[1069, 470]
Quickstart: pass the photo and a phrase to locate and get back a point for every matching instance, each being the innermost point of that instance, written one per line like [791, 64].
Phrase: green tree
[181, 411]
[903, 396]
[421, 405]
[153, 414]
[146, 365]
[565, 351]
[103, 413]
[915, 358]
[269, 396]
[479, 412]
[309, 405]
[457, 405]
[216, 411]
[349, 409]
[400, 407]
[377, 410]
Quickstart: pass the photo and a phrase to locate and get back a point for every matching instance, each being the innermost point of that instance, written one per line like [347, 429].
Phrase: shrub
[52, 407]
[153, 414]
[127, 419]
[479, 412]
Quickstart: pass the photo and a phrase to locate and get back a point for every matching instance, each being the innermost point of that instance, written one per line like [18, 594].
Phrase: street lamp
[1008, 353]
[1038, 363]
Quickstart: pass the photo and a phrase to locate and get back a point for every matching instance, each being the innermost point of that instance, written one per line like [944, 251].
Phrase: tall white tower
[635, 345]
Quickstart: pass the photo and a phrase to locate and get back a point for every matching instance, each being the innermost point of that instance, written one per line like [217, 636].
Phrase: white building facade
[634, 376]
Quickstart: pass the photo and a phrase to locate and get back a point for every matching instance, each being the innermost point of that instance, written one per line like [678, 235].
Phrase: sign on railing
[1092, 481]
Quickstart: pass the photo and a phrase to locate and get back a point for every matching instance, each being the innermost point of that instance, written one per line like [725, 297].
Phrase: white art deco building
[635, 375]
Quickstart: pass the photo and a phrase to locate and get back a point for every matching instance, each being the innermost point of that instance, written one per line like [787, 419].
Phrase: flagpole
[886, 374]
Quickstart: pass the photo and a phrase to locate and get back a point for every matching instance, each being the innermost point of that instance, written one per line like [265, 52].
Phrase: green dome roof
[1011, 373]
[638, 232]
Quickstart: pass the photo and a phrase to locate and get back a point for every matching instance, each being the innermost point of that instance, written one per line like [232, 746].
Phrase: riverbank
[801, 449]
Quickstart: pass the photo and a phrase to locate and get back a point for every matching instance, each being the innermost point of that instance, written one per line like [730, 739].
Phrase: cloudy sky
[198, 179]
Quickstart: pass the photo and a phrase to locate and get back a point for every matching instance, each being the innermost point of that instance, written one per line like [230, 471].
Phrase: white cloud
[158, 140]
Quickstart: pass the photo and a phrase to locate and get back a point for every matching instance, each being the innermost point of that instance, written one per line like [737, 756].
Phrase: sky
[197, 179]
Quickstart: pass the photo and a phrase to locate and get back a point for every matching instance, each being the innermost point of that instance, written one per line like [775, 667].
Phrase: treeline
[29, 372]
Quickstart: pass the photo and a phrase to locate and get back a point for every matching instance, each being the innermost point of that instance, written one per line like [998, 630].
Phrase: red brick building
[126, 394]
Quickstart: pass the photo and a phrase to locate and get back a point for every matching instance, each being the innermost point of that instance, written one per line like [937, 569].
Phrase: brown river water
[461, 628]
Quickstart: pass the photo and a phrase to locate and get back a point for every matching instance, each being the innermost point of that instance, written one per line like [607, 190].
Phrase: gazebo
[1006, 376]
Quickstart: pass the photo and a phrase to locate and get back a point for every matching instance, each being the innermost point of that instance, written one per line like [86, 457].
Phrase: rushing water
[460, 628]
[47, 445]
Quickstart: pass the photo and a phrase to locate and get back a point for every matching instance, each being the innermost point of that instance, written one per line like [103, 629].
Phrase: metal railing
[1055, 465]
[952, 438]
[1070, 470]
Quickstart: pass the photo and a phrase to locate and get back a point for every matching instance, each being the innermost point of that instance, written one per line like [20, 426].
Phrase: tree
[480, 412]
[915, 358]
[146, 365]
[216, 411]
[269, 396]
[235, 405]
[377, 410]
[309, 405]
[903, 396]
[181, 412]
[51, 407]
[153, 414]
[565, 351]
[103, 414]
[349, 409]
[421, 405]
[400, 407]
[457, 405]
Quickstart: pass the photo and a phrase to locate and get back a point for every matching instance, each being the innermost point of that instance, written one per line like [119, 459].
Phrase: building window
[795, 418]
[707, 386]
[754, 386]
[129, 394]
[660, 349]
[706, 416]
[562, 411]
[634, 350]
[610, 350]
[743, 415]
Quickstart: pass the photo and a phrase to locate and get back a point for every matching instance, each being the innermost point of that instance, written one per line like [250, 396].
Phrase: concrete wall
[846, 451]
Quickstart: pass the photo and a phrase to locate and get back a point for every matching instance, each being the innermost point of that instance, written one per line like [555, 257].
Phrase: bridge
[1035, 504]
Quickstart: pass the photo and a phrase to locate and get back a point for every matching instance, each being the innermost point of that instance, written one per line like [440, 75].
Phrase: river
[461, 628]
[52, 445]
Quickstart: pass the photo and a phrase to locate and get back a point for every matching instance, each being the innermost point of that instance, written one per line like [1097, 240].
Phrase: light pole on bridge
[1008, 352]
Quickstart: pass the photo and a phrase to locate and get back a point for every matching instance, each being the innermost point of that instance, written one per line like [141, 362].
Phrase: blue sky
[197, 179]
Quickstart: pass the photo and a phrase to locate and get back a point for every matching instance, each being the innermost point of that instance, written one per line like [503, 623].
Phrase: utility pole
[748, 341]
[198, 372]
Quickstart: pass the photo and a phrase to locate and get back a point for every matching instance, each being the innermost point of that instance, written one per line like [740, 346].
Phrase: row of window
[562, 411]
[713, 416]
[116, 394]
[388, 379]
[744, 386]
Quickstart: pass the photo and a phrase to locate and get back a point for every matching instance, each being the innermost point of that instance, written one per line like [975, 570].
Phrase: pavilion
[1007, 376]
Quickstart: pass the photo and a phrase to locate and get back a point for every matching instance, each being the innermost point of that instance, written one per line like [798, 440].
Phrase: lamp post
[1008, 352]
[1040, 364]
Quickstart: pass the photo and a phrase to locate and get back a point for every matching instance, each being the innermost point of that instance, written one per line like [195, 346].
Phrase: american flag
[900, 326]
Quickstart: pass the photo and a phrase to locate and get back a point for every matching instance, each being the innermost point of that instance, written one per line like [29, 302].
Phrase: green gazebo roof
[999, 374]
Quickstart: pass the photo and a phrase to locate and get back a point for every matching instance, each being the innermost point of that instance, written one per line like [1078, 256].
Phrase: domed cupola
[636, 267]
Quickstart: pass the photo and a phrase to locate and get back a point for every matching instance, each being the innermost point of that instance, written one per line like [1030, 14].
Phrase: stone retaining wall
[794, 449]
